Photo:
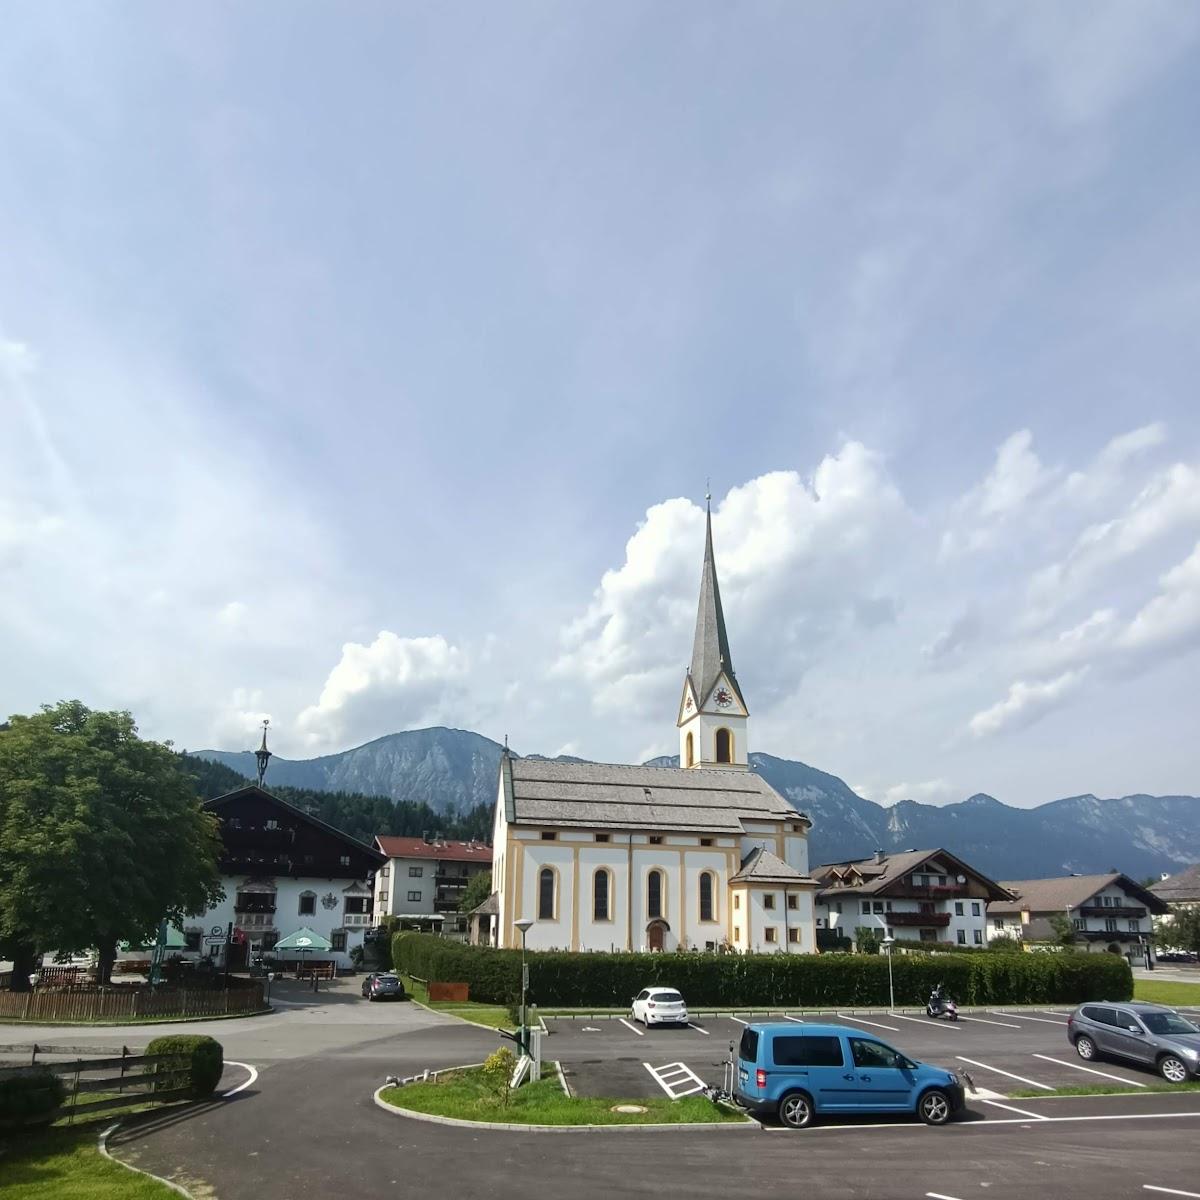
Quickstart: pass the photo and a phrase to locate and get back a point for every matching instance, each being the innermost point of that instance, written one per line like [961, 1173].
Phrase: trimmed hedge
[201, 1071]
[30, 1097]
[774, 980]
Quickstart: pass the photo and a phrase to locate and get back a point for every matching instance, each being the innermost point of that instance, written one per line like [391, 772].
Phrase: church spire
[710, 647]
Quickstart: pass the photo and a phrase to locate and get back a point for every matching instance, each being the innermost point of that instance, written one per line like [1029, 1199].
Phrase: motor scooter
[940, 1004]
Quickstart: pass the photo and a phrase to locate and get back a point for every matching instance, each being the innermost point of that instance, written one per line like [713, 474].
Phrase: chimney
[879, 858]
[425, 836]
[1163, 877]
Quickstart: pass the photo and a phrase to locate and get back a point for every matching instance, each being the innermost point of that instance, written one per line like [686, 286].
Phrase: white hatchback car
[659, 1006]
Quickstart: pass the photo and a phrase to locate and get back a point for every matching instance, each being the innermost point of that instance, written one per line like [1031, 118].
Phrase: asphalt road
[307, 1126]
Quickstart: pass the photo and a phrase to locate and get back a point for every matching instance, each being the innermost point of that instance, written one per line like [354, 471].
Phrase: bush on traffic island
[200, 1063]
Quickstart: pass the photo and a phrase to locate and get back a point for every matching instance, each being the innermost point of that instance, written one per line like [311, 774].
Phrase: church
[703, 856]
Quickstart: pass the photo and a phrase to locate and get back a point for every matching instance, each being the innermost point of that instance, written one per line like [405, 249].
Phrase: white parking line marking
[1027, 1017]
[798, 1020]
[1055, 1013]
[676, 1079]
[241, 1087]
[699, 1030]
[1019, 1078]
[982, 1021]
[921, 1021]
[634, 1028]
[940, 1196]
[1009, 1108]
[738, 1020]
[1149, 1187]
[1063, 1062]
[861, 1021]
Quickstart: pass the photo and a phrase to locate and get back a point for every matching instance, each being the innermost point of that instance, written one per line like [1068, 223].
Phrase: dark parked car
[382, 987]
[1149, 1034]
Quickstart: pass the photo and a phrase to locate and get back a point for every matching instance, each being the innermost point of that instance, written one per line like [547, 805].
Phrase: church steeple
[712, 711]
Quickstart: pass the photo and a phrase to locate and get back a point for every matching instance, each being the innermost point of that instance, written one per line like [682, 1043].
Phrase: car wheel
[796, 1110]
[934, 1107]
[1173, 1069]
[1085, 1047]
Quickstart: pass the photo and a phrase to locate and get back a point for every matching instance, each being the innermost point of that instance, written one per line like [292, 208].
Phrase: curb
[258, 1012]
[102, 1146]
[515, 1127]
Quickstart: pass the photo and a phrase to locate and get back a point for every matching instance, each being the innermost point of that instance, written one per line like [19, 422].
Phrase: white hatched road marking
[1063, 1062]
[863, 1021]
[634, 1028]
[676, 1079]
[699, 1030]
[1024, 1112]
[241, 1087]
[1149, 1187]
[1027, 1017]
[983, 1021]
[922, 1021]
[1019, 1078]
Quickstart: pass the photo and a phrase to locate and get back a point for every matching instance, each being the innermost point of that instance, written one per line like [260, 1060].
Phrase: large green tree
[102, 832]
[476, 892]
[1183, 931]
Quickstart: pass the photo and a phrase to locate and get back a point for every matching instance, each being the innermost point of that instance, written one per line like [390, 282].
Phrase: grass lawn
[495, 1015]
[463, 1094]
[1104, 1089]
[65, 1165]
[1166, 991]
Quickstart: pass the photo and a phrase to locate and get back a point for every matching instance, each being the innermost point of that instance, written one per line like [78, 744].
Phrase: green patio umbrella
[304, 939]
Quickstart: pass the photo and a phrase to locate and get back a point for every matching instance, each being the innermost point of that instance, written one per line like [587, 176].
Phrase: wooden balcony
[1128, 912]
[934, 920]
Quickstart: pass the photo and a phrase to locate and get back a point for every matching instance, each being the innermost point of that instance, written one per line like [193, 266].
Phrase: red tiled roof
[415, 847]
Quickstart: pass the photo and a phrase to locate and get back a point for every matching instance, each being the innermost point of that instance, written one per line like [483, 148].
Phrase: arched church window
[654, 882]
[546, 882]
[724, 746]
[706, 896]
[689, 750]
[601, 889]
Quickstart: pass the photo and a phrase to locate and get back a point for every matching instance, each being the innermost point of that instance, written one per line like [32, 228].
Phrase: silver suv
[1149, 1034]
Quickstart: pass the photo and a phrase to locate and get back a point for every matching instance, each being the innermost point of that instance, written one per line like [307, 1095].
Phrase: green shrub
[30, 1097]
[767, 980]
[202, 1061]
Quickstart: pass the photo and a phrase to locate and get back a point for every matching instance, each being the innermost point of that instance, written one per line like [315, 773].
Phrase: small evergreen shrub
[203, 1060]
[30, 1097]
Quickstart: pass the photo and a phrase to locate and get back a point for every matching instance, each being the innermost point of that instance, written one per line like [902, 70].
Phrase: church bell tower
[712, 711]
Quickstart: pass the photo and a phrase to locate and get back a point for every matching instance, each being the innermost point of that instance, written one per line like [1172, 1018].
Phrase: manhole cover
[628, 1108]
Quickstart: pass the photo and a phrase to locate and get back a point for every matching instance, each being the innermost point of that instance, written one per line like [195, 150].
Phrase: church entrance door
[655, 932]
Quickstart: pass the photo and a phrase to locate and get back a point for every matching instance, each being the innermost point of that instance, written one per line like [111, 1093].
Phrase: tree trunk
[25, 962]
[106, 956]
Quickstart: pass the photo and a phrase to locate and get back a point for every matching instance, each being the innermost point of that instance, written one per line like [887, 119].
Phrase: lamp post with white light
[524, 925]
[887, 943]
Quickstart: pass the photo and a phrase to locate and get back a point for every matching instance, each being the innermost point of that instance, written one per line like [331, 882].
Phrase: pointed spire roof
[710, 647]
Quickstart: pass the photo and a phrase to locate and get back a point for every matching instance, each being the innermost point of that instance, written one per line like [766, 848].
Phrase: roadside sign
[215, 941]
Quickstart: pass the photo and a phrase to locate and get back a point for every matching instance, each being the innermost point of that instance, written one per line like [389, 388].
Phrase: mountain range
[454, 770]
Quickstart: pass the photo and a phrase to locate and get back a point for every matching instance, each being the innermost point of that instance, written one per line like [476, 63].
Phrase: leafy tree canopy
[103, 834]
[477, 891]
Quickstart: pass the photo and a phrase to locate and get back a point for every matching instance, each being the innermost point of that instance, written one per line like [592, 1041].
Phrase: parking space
[1002, 1051]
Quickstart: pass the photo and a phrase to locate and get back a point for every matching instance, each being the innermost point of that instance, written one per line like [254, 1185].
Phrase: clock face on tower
[723, 697]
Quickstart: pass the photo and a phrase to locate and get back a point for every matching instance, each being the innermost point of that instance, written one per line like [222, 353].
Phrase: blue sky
[364, 368]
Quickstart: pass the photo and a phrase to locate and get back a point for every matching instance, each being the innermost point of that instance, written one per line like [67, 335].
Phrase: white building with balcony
[1106, 912]
[924, 896]
[426, 878]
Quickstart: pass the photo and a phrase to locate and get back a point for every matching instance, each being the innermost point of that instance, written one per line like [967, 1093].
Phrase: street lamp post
[270, 980]
[888, 943]
[524, 925]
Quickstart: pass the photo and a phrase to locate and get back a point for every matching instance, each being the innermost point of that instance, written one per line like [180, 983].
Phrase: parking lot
[1001, 1051]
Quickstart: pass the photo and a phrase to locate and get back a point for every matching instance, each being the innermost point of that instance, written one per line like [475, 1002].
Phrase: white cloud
[952, 641]
[1106, 470]
[797, 560]
[239, 727]
[928, 791]
[1168, 503]
[394, 683]
[1026, 703]
[233, 615]
[1171, 620]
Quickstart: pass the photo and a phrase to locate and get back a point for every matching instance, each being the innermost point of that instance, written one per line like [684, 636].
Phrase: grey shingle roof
[1181, 888]
[879, 878]
[710, 647]
[1068, 891]
[489, 908]
[764, 866]
[604, 795]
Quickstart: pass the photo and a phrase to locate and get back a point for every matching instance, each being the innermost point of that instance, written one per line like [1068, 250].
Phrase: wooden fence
[128, 1004]
[117, 1081]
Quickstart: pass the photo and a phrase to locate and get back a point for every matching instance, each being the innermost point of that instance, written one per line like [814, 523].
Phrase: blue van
[797, 1072]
